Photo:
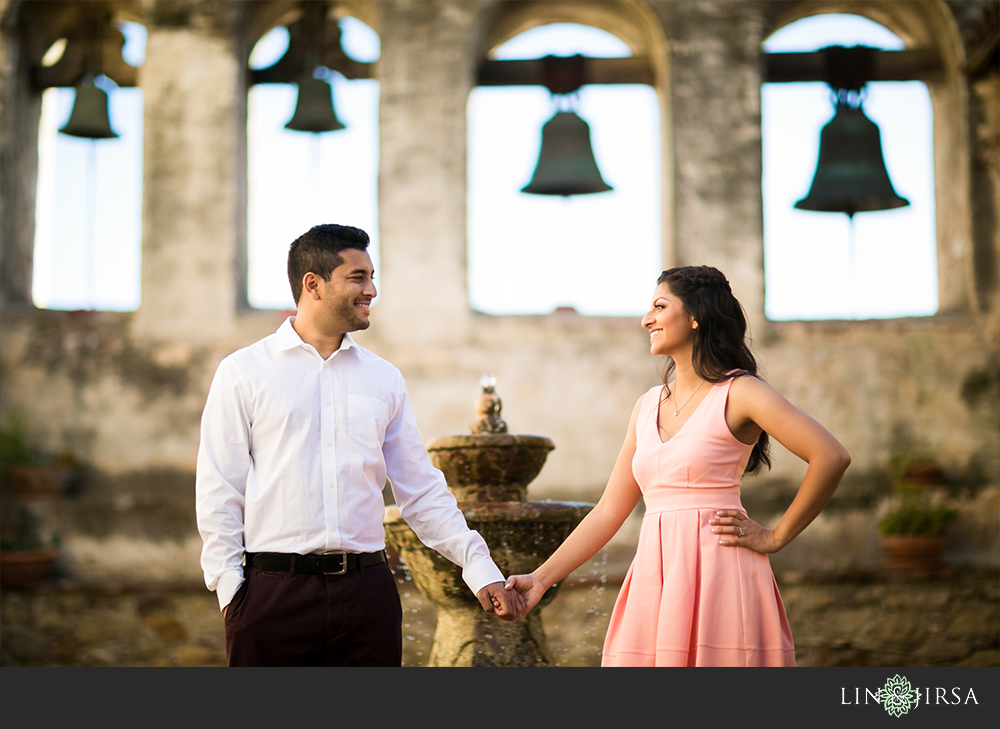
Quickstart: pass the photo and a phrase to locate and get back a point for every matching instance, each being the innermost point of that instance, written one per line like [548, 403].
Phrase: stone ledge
[839, 619]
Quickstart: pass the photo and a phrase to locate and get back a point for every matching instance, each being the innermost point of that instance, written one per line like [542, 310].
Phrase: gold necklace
[677, 410]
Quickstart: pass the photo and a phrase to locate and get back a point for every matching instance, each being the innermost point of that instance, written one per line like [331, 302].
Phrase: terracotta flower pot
[23, 570]
[914, 553]
[38, 482]
[923, 476]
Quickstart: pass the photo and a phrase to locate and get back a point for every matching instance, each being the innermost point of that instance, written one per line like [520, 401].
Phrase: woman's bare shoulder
[654, 391]
[641, 400]
[744, 381]
[749, 391]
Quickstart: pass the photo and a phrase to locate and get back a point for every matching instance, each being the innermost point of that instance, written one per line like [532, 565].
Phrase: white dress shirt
[294, 454]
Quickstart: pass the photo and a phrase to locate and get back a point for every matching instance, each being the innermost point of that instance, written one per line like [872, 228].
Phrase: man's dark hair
[318, 251]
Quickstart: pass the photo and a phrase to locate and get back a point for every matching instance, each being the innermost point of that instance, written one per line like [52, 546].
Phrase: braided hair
[720, 341]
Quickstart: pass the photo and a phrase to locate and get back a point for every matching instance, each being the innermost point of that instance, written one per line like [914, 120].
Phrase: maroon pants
[295, 619]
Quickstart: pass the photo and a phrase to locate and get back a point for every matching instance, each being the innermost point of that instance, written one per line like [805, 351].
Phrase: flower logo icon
[897, 696]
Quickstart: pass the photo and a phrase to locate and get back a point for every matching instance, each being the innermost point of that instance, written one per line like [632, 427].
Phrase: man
[299, 434]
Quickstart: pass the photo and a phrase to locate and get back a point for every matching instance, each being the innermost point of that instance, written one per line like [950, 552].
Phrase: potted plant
[27, 472]
[26, 557]
[913, 533]
[913, 469]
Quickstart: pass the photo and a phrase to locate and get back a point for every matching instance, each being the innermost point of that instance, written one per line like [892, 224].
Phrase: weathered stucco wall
[124, 391]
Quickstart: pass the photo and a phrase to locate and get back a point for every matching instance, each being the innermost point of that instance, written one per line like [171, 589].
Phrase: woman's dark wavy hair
[720, 341]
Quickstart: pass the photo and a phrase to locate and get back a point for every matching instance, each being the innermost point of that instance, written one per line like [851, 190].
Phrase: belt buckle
[343, 562]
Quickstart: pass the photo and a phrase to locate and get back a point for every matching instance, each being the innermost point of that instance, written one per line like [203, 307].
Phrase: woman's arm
[619, 499]
[753, 401]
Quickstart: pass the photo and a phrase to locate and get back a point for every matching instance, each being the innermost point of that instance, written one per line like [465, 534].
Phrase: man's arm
[428, 506]
[220, 483]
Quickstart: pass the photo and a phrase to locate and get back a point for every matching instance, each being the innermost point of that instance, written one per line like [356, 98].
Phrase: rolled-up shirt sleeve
[220, 483]
[427, 505]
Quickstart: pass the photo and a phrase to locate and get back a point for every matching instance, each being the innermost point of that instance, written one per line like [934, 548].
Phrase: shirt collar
[348, 342]
[287, 338]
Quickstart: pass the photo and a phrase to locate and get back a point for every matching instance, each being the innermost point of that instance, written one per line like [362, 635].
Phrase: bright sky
[87, 241]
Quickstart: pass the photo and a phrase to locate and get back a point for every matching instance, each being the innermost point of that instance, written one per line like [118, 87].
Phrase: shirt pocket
[366, 420]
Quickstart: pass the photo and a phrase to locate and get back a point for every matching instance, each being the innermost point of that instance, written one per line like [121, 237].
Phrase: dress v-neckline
[656, 417]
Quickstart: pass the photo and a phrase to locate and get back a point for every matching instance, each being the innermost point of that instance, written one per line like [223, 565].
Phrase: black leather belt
[331, 563]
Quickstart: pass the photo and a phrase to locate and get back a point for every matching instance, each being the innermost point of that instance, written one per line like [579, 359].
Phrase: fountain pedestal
[488, 472]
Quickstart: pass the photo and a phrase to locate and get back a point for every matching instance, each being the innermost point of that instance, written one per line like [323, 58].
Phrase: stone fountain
[488, 471]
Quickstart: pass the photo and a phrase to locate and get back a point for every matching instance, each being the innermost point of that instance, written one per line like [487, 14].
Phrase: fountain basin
[520, 534]
[489, 466]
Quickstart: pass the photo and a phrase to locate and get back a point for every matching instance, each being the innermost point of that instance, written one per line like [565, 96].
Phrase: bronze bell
[89, 116]
[314, 107]
[566, 164]
[850, 174]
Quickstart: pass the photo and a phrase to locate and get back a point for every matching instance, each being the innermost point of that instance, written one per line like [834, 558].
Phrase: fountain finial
[488, 407]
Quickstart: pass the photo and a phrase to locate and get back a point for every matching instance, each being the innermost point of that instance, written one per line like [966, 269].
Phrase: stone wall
[124, 392]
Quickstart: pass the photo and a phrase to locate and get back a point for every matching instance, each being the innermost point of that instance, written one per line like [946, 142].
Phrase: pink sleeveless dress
[687, 600]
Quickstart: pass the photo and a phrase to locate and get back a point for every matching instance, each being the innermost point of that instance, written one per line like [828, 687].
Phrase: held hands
[505, 604]
[736, 529]
[528, 587]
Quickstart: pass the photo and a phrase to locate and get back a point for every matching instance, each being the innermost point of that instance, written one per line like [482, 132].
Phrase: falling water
[419, 620]
[852, 265]
[90, 245]
[578, 619]
[315, 170]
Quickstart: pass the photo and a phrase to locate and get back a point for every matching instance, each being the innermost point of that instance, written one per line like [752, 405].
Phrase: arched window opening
[88, 209]
[299, 179]
[816, 266]
[533, 254]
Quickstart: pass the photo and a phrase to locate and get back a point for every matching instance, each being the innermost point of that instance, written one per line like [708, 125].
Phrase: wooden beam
[920, 65]
[633, 70]
[289, 69]
[886, 66]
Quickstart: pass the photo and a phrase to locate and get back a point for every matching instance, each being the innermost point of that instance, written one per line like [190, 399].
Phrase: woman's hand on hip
[736, 529]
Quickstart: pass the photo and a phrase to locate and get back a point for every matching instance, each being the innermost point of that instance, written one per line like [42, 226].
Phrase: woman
[700, 591]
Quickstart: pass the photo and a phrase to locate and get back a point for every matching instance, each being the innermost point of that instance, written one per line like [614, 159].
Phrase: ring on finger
[741, 533]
